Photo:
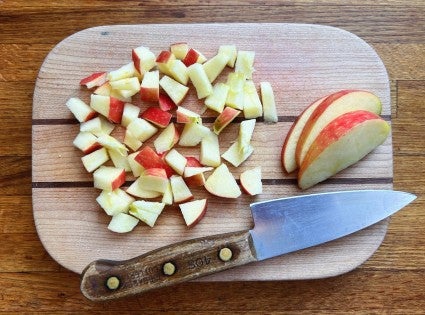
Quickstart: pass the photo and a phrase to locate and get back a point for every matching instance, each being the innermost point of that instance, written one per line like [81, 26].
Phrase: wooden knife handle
[176, 263]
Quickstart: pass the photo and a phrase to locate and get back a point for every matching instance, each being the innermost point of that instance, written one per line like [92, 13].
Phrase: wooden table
[391, 281]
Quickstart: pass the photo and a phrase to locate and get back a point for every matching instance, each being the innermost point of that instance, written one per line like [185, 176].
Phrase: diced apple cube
[108, 178]
[95, 79]
[181, 192]
[147, 211]
[222, 183]
[192, 134]
[175, 90]
[114, 202]
[131, 141]
[231, 52]
[210, 150]
[112, 144]
[217, 99]
[95, 159]
[86, 142]
[138, 189]
[185, 116]
[122, 223]
[193, 211]
[126, 71]
[80, 110]
[166, 139]
[136, 168]
[214, 66]
[119, 159]
[179, 50]
[166, 103]
[141, 129]
[224, 119]
[130, 113]
[155, 179]
[157, 116]
[252, 107]
[200, 80]
[143, 59]
[97, 126]
[269, 105]
[149, 89]
[235, 156]
[235, 96]
[176, 161]
[245, 63]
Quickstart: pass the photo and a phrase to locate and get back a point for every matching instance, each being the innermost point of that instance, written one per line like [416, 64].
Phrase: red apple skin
[148, 158]
[164, 56]
[116, 108]
[157, 116]
[191, 57]
[336, 129]
[95, 146]
[158, 172]
[192, 162]
[166, 103]
[119, 181]
[90, 116]
[201, 215]
[225, 118]
[93, 77]
[149, 94]
[195, 180]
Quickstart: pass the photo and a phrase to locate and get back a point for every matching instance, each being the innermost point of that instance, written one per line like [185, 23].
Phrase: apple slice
[157, 116]
[251, 181]
[119, 159]
[210, 150]
[179, 50]
[235, 96]
[222, 183]
[200, 80]
[193, 211]
[217, 99]
[148, 158]
[246, 130]
[138, 189]
[114, 202]
[86, 142]
[245, 63]
[235, 156]
[122, 223]
[181, 192]
[97, 126]
[149, 88]
[252, 107]
[269, 104]
[166, 139]
[95, 159]
[108, 178]
[135, 167]
[175, 90]
[110, 107]
[112, 144]
[289, 146]
[231, 52]
[80, 110]
[192, 134]
[95, 79]
[225, 118]
[147, 211]
[343, 142]
[176, 161]
[214, 66]
[165, 102]
[185, 116]
[141, 129]
[167, 197]
[154, 179]
[130, 113]
[163, 61]
[331, 107]
[126, 71]
[143, 59]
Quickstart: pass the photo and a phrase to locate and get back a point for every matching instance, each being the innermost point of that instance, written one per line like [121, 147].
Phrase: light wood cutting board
[302, 62]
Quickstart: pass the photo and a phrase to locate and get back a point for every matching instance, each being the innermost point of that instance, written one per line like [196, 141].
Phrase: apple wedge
[108, 178]
[251, 181]
[175, 90]
[81, 111]
[224, 119]
[114, 202]
[146, 211]
[193, 211]
[97, 126]
[289, 162]
[222, 183]
[138, 189]
[166, 139]
[343, 142]
[95, 159]
[217, 99]
[333, 106]
[181, 192]
[176, 161]
[200, 80]
[86, 142]
[110, 107]
[95, 79]
[122, 223]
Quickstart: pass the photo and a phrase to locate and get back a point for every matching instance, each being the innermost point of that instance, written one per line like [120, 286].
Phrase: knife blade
[280, 226]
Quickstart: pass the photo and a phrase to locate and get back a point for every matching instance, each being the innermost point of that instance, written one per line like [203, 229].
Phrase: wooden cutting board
[302, 62]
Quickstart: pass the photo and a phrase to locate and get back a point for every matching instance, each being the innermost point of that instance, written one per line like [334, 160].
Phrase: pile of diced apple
[333, 133]
[163, 175]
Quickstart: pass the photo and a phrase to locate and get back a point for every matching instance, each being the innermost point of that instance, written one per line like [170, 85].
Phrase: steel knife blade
[280, 226]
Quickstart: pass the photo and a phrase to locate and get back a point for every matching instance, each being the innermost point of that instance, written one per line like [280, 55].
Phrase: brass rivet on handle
[113, 283]
[225, 254]
[169, 269]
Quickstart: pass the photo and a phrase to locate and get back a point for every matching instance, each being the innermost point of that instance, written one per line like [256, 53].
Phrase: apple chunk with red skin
[193, 211]
[333, 106]
[108, 178]
[148, 158]
[343, 142]
[225, 118]
[165, 102]
[110, 107]
[80, 110]
[157, 116]
[95, 79]
[222, 183]
[149, 88]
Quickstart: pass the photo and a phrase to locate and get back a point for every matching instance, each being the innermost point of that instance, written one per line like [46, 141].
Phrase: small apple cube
[231, 52]
[122, 223]
[138, 189]
[175, 90]
[141, 129]
[157, 116]
[149, 89]
[214, 66]
[166, 103]
[166, 139]
[163, 61]
[192, 134]
[119, 159]
[80, 110]
[111, 143]
[95, 79]
[210, 150]
[86, 142]
[130, 113]
[114, 202]
[252, 107]
[126, 71]
[245, 63]
[148, 158]
[193, 211]
[185, 116]
[225, 118]
[235, 156]
[193, 56]
[154, 179]
[108, 106]
[200, 80]
[97, 126]
[131, 84]
[222, 183]
[179, 50]
[147, 211]
[95, 159]
[217, 99]
[109, 178]
[143, 59]
[181, 192]
[251, 181]
[235, 96]
[269, 105]
[178, 71]
[135, 167]
[176, 161]
[104, 89]
[131, 141]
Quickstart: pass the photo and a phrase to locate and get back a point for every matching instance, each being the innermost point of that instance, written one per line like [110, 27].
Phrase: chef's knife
[280, 226]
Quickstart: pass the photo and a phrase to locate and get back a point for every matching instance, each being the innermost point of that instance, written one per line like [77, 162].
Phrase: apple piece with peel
[122, 223]
[157, 116]
[108, 178]
[251, 181]
[245, 63]
[193, 162]
[110, 107]
[235, 96]
[231, 52]
[148, 158]
[163, 61]
[138, 189]
[193, 211]
[95, 79]
[97, 126]
[222, 183]
[104, 89]
[126, 71]
[331, 107]
[146, 211]
[176, 161]
[217, 99]
[166, 103]
[112, 144]
[114, 202]
[269, 104]
[95, 159]
[166, 139]
[210, 150]
[225, 118]
[252, 107]
[149, 88]
[214, 66]
[130, 113]
[81, 111]
[289, 162]
[343, 142]
[235, 156]
[175, 90]
[194, 176]
[154, 179]
[179, 50]
[143, 59]
[200, 80]
[141, 129]
[181, 192]
[192, 56]
[135, 167]
[192, 134]
[86, 142]
[185, 116]
[119, 159]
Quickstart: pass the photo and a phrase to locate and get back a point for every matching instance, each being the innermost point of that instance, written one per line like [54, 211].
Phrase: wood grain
[390, 282]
